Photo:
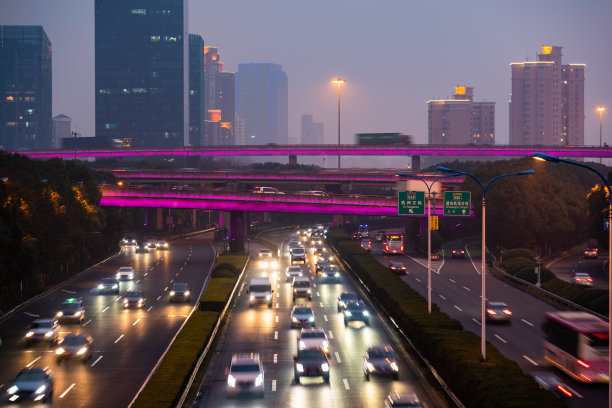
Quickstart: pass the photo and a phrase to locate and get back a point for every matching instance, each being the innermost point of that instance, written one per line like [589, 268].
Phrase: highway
[565, 268]
[268, 332]
[127, 343]
[456, 289]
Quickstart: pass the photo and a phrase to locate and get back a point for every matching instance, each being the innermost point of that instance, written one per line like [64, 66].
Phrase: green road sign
[457, 203]
[411, 203]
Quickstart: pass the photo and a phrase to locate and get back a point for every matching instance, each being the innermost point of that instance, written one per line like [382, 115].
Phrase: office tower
[142, 71]
[262, 94]
[547, 101]
[25, 88]
[62, 128]
[197, 110]
[219, 100]
[239, 131]
[461, 120]
[312, 132]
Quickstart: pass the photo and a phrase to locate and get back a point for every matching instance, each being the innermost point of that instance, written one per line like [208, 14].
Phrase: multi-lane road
[268, 331]
[127, 342]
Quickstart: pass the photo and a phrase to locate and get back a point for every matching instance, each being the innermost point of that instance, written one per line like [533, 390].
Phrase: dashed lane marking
[501, 339]
[458, 308]
[96, 362]
[275, 335]
[338, 358]
[466, 288]
[273, 385]
[67, 390]
[33, 361]
[119, 339]
[331, 335]
[526, 322]
[442, 297]
[275, 358]
[451, 280]
[136, 322]
[105, 309]
[325, 317]
[476, 321]
[346, 384]
[530, 360]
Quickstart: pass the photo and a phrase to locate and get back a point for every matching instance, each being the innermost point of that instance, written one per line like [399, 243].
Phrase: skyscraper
[461, 120]
[219, 100]
[197, 110]
[263, 103]
[25, 88]
[547, 101]
[142, 71]
[312, 132]
[62, 129]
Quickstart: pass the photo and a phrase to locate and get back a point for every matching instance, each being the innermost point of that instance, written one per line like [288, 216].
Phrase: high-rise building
[197, 111]
[62, 128]
[219, 90]
[25, 88]
[547, 101]
[142, 71]
[461, 120]
[312, 132]
[262, 93]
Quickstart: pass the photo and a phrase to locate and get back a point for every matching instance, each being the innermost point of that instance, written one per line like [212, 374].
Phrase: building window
[155, 38]
[142, 12]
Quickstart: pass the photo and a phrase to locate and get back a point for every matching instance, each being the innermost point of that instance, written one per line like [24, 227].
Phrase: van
[260, 291]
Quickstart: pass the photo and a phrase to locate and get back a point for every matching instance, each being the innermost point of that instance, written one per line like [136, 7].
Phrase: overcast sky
[395, 55]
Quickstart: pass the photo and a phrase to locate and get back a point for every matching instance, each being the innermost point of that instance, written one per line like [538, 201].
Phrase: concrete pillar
[159, 219]
[416, 163]
[338, 219]
[293, 159]
[237, 231]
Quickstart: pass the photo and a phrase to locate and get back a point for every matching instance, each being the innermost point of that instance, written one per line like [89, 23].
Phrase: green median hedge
[453, 352]
[166, 385]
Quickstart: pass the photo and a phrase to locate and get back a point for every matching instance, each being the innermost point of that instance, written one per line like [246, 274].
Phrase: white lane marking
[442, 297]
[137, 281]
[96, 362]
[314, 284]
[276, 318]
[278, 285]
[466, 288]
[118, 339]
[171, 280]
[338, 358]
[277, 294]
[476, 321]
[451, 280]
[275, 335]
[159, 297]
[275, 358]
[325, 317]
[105, 309]
[321, 304]
[277, 305]
[530, 360]
[176, 274]
[68, 291]
[501, 339]
[67, 390]
[526, 322]
[273, 385]
[117, 298]
[346, 386]
[418, 280]
[149, 309]
[136, 322]
[181, 268]
[33, 361]
[146, 273]
[165, 289]
[458, 308]
[331, 335]
[31, 314]
[85, 324]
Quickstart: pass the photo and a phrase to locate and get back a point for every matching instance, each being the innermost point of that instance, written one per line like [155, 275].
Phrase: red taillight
[491, 311]
[590, 279]
[564, 391]
[402, 248]
[508, 312]
[403, 268]
[582, 363]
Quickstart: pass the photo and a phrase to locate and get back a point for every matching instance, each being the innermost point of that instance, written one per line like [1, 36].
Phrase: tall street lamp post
[483, 330]
[338, 82]
[554, 159]
[429, 213]
[601, 110]
[75, 134]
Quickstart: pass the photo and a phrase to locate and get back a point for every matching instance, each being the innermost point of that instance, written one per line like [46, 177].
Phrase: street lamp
[338, 82]
[75, 134]
[428, 228]
[483, 330]
[554, 159]
[601, 110]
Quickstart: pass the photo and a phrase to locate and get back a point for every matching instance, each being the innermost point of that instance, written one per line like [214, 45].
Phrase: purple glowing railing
[246, 201]
[323, 150]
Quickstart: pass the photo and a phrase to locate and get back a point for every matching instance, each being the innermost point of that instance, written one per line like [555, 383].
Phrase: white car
[151, 244]
[301, 288]
[298, 255]
[266, 190]
[43, 330]
[313, 338]
[293, 271]
[245, 375]
[161, 245]
[125, 273]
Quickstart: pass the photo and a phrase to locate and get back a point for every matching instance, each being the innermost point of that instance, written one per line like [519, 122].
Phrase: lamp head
[338, 81]
[600, 109]
[446, 170]
[545, 157]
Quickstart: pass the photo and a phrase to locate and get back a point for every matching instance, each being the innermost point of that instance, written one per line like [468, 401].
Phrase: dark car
[380, 360]
[75, 346]
[356, 236]
[550, 382]
[311, 362]
[435, 256]
[355, 311]
[397, 268]
[458, 253]
[330, 274]
[34, 384]
[321, 263]
[134, 298]
[346, 297]
[591, 253]
[180, 293]
[71, 311]
[108, 285]
[498, 312]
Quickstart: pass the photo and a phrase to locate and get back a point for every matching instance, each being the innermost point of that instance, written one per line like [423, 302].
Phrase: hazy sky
[394, 54]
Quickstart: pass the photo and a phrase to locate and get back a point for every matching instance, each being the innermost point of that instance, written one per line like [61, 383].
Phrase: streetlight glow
[601, 110]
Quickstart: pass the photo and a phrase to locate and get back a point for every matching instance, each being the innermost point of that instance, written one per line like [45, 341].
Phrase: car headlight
[325, 367]
[347, 313]
[40, 389]
[274, 264]
[60, 350]
[82, 351]
[336, 274]
[78, 313]
[294, 319]
[341, 302]
[187, 293]
[308, 291]
[125, 300]
[302, 345]
[100, 286]
[259, 380]
[268, 297]
[299, 367]
[49, 334]
[394, 367]
[29, 334]
[13, 390]
[231, 381]
[60, 314]
[365, 313]
[172, 293]
[370, 367]
[252, 297]
[115, 286]
[117, 276]
[311, 319]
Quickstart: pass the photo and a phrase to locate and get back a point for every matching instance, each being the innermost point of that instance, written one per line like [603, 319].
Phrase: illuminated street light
[428, 228]
[601, 110]
[338, 82]
[483, 331]
[554, 159]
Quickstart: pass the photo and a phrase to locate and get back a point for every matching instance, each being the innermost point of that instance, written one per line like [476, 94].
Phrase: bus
[363, 230]
[393, 243]
[577, 344]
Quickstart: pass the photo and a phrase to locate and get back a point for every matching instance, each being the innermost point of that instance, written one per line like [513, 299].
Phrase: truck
[370, 139]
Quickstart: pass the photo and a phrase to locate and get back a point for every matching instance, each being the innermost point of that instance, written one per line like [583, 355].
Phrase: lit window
[125, 91]
[11, 123]
[155, 38]
[140, 11]
[9, 99]
[30, 111]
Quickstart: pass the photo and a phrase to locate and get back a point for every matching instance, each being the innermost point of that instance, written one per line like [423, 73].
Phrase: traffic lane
[564, 269]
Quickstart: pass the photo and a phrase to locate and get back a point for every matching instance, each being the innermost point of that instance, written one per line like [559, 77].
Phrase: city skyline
[391, 69]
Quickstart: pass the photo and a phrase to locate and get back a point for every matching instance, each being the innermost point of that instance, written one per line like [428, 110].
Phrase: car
[260, 291]
[266, 260]
[267, 190]
[32, 383]
[43, 330]
[380, 235]
[313, 338]
[108, 285]
[293, 271]
[346, 297]
[320, 264]
[300, 287]
[75, 346]
[591, 253]
[180, 292]
[355, 311]
[142, 248]
[356, 236]
[435, 256]
[302, 316]
[583, 279]
[311, 362]
[134, 298]
[71, 310]
[245, 375]
[317, 238]
[298, 255]
[125, 273]
[380, 360]
[151, 244]
[366, 243]
[264, 253]
[330, 273]
[397, 268]
[162, 245]
[458, 253]
[550, 382]
[129, 241]
[396, 399]
[498, 312]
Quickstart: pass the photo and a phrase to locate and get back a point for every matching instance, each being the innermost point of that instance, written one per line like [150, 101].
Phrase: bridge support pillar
[338, 220]
[159, 219]
[416, 163]
[293, 159]
[237, 231]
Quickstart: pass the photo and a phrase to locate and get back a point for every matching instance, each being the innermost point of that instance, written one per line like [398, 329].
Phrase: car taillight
[507, 312]
[582, 363]
[491, 311]
[590, 279]
[564, 391]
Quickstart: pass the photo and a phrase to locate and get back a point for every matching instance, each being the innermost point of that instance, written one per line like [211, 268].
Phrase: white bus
[577, 343]
[393, 244]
